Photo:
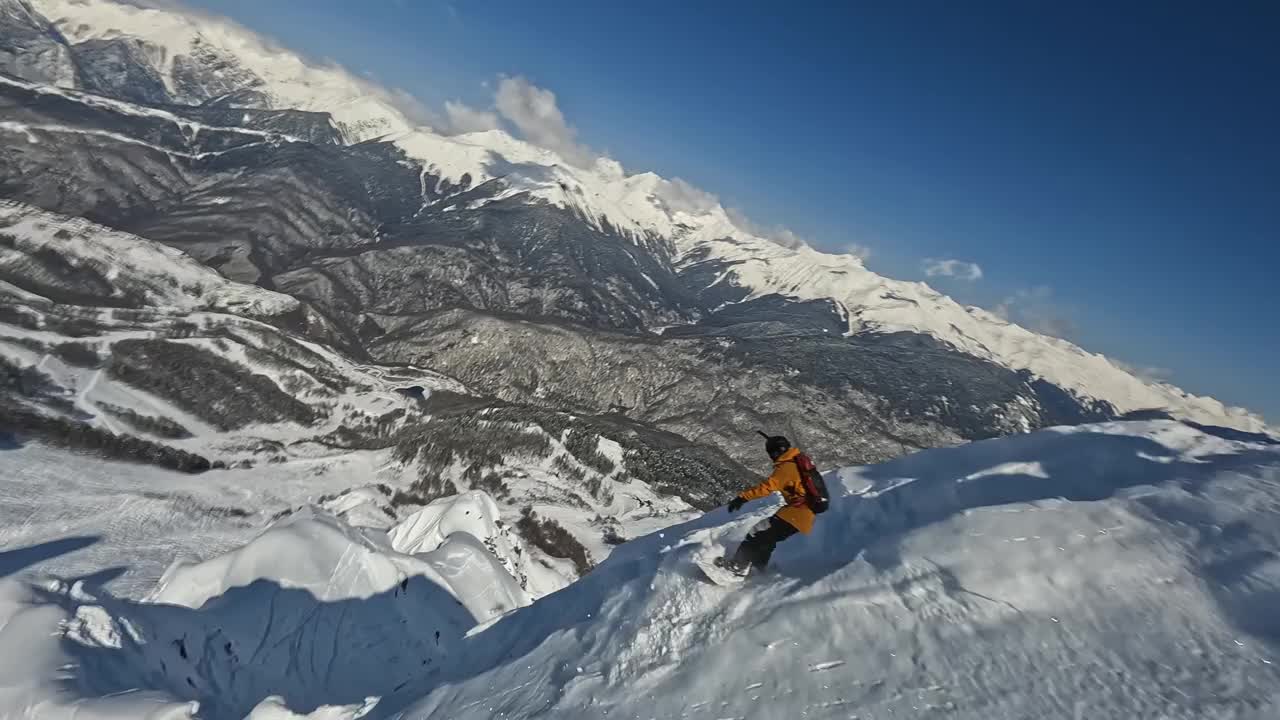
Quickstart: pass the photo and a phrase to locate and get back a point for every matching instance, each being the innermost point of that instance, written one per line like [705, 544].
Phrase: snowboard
[717, 572]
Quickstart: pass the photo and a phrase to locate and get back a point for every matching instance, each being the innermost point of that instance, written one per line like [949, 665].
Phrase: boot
[739, 564]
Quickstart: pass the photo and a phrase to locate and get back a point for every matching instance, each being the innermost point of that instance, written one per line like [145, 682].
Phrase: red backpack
[815, 488]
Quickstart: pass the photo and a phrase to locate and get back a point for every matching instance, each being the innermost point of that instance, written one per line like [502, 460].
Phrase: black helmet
[775, 445]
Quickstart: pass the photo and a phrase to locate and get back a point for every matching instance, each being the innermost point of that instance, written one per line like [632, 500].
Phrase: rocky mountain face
[529, 283]
[849, 400]
[31, 48]
[359, 228]
[390, 254]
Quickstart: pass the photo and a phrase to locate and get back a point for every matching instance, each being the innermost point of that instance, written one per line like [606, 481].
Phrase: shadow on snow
[264, 639]
[14, 561]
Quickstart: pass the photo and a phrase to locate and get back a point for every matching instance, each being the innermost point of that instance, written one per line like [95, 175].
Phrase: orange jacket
[786, 480]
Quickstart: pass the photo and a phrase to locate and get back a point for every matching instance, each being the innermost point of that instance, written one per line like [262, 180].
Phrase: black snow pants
[763, 538]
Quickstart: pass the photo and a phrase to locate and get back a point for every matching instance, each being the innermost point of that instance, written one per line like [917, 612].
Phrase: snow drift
[1122, 570]
[312, 613]
[1110, 571]
[464, 538]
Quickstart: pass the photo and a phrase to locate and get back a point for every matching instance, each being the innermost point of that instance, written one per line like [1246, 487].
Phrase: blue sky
[1115, 172]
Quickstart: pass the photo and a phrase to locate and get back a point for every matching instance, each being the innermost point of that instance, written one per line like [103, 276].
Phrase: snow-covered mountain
[737, 266]
[202, 60]
[160, 55]
[399, 265]
[1003, 579]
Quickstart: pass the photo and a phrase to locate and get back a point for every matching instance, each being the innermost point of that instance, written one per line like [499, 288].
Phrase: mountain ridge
[720, 262]
[202, 60]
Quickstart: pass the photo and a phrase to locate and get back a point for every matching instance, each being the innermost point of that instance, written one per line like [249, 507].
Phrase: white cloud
[960, 269]
[862, 252]
[412, 107]
[535, 113]
[463, 118]
[1036, 309]
[681, 196]
[786, 237]
[1149, 373]
[783, 236]
[1021, 298]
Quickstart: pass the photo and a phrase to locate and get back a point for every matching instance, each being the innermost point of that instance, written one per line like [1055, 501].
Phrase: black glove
[736, 503]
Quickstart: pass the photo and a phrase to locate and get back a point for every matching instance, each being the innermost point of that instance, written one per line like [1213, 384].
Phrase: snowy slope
[146, 272]
[69, 284]
[237, 608]
[189, 128]
[450, 527]
[1112, 571]
[238, 625]
[31, 683]
[282, 616]
[329, 395]
[204, 58]
[312, 610]
[1108, 571]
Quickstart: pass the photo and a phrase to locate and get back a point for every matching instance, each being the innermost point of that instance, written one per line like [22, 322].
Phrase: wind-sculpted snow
[451, 529]
[312, 611]
[1110, 571]
[1123, 570]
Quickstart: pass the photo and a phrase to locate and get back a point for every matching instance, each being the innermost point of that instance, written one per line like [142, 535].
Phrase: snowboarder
[804, 492]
